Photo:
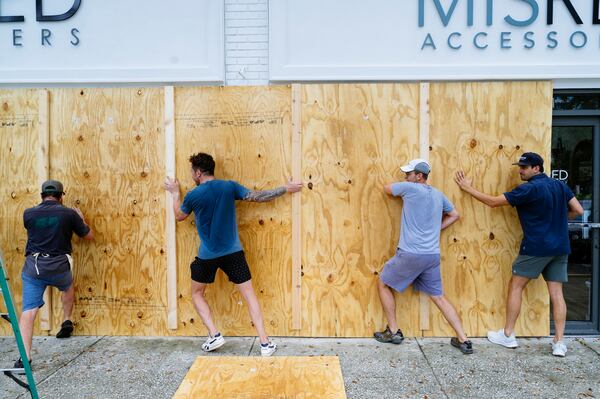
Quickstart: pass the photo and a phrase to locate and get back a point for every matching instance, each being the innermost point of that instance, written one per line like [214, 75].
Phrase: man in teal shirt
[213, 204]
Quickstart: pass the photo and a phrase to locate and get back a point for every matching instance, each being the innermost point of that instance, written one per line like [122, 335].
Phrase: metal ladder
[11, 317]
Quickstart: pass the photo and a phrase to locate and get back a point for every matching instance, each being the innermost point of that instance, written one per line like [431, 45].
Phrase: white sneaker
[498, 337]
[559, 349]
[269, 349]
[213, 343]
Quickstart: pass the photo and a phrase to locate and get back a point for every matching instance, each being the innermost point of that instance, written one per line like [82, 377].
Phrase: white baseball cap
[417, 165]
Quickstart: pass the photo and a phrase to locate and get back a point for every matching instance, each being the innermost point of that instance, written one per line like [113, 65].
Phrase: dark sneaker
[465, 347]
[66, 329]
[19, 365]
[387, 336]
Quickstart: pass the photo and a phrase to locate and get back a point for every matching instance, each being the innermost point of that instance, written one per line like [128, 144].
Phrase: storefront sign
[434, 39]
[64, 41]
[559, 174]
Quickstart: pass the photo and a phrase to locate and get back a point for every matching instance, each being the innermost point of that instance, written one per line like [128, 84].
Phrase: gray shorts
[420, 270]
[553, 268]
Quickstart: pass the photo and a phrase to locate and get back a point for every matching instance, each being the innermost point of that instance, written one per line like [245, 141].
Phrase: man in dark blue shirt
[50, 227]
[544, 206]
[213, 204]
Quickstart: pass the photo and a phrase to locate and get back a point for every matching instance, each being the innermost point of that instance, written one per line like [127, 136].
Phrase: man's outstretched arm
[268, 195]
[172, 186]
[90, 234]
[449, 218]
[490, 200]
[575, 208]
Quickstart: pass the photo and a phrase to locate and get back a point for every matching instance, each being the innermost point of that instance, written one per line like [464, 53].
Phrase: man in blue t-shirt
[213, 204]
[544, 206]
[425, 212]
[50, 227]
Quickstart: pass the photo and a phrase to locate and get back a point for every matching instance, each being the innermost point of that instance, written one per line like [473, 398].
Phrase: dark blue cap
[530, 159]
[52, 187]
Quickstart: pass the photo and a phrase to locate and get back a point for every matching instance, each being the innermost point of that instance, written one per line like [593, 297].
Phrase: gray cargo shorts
[553, 268]
[421, 270]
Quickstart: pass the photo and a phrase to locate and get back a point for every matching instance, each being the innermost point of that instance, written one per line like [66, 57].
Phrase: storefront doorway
[576, 161]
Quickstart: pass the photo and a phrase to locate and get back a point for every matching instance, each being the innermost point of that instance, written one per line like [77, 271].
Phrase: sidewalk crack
[85, 349]
[432, 370]
[585, 344]
[252, 346]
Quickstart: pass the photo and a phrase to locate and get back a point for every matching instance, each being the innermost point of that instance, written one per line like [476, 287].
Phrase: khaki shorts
[553, 268]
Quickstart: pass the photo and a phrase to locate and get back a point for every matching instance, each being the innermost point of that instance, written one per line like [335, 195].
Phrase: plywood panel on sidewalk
[355, 138]
[107, 149]
[20, 186]
[248, 132]
[257, 377]
[482, 128]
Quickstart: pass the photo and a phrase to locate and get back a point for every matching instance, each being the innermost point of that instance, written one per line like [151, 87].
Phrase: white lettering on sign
[423, 40]
[560, 174]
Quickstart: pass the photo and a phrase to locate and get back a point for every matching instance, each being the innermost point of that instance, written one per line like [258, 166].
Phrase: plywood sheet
[107, 149]
[301, 377]
[355, 138]
[20, 184]
[248, 132]
[482, 128]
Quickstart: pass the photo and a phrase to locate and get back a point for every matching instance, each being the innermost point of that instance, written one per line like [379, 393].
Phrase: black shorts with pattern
[234, 265]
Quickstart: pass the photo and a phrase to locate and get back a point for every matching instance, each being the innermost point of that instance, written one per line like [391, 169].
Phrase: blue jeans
[34, 287]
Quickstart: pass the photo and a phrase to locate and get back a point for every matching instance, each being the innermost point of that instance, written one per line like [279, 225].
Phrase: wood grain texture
[43, 174]
[482, 128]
[248, 132]
[301, 377]
[297, 208]
[355, 138]
[170, 223]
[424, 125]
[107, 148]
[19, 148]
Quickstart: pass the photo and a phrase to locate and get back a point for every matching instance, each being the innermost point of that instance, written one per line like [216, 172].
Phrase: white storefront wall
[111, 41]
[260, 41]
[381, 40]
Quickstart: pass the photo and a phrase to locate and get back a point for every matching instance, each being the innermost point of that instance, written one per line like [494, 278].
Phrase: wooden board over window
[107, 146]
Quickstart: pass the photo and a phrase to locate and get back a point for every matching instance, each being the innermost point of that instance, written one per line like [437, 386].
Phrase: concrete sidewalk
[134, 367]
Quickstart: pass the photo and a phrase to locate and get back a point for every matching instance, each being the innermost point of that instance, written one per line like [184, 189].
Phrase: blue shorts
[420, 270]
[33, 288]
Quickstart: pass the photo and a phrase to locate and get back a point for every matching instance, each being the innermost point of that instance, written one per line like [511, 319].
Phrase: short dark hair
[203, 162]
[56, 195]
[425, 175]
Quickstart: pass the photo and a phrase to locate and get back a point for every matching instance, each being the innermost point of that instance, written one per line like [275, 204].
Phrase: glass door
[576, 161]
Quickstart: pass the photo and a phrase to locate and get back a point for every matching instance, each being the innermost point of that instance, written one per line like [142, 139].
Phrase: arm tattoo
[265, 195]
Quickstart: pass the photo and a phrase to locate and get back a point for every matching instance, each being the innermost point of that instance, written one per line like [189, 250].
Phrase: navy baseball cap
[52, 187]
[530, 159]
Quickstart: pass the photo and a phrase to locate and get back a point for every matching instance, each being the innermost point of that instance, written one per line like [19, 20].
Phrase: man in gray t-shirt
[420, 228]
[425, 212]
